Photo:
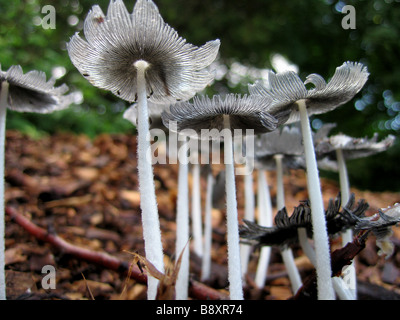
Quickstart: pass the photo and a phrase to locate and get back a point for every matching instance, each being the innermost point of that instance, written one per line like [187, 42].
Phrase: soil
[86, 192]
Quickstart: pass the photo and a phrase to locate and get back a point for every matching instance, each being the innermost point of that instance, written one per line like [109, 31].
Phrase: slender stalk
[264, 219]
[340, 287]
[234, 273]
[286, 252]
[245, 249]
[182, 227]
[148, 202]
[280, 190]
[293, 272]
[3, 114]
[321, 239]
[347, 236]
[344, 189]
[196, 208]
[338, 283]
[306, 246]
[206, 262]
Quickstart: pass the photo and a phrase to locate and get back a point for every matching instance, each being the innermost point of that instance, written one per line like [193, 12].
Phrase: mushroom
[287, 91]
[21, 92]
[265, 218]
[339, 217]
[212, 119]
[206, 259]
[249, 211]
[285, 232]
[138, 56]
[197, 228]
[380, 224]
[182, 227]
[337, 149]
[275, 150]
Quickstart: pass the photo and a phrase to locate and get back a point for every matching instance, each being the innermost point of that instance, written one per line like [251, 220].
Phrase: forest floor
[85, 192]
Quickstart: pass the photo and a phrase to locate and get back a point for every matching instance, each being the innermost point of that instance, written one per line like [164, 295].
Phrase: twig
[197, 290]
[339, 258]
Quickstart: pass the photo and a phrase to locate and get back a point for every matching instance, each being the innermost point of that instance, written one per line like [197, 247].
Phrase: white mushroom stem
[321, 239]
[245, 249]
[287, 254]
[182, 227]
[347, 236]
[234, 273]
[264, 219]
[344, 190]
[305, 245]
[206, 262]
[196, 208]
[339, 284]
[148, 203]
[3, 114]
[280, 190]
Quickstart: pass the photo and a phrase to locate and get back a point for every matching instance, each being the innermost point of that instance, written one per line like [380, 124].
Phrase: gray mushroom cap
[285, 89]
[352, 148]
[114, 42]
[286, 142]
[245, 112]
[30, 92]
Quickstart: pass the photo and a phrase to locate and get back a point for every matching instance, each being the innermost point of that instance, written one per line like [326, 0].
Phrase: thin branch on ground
[197, 290]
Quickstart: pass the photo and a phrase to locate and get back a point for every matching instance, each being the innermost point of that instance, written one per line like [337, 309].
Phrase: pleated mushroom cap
[30, 92]
[286, 89]
[206, 115]
[352, 148]
[286, 142]
[114, 42]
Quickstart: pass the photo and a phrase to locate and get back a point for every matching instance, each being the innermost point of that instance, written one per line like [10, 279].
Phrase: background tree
[307, 33]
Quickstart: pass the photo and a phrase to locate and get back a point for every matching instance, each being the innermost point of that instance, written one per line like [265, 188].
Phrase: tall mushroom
[138, 56]
[286, 229]
[249, 211]
[337, 149]
[265, 218]
[197, 228]
[213, 119]
[206, 259]
[21, 92]
[275, 151]
[288, 91]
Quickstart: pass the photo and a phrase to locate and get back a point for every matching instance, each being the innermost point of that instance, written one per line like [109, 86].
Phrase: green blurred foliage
[308, 33]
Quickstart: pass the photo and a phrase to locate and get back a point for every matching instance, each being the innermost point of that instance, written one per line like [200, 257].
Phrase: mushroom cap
[30, 92]
[286, 88]
[288, 162]
[284, 232]
[286, 142]
[352, 148]
[114, 42]
[205, 116]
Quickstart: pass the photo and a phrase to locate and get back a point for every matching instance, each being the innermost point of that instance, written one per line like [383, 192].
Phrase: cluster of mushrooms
[141, 59]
